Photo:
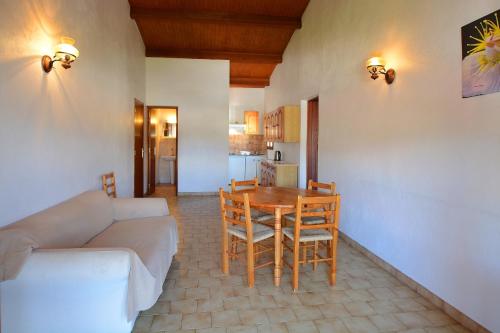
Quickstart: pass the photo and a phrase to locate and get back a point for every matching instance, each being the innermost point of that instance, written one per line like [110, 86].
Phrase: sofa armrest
[76, 264]
[135, 208]
[69, 290]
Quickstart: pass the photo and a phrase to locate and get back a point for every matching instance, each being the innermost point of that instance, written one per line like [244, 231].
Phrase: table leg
[277, 247]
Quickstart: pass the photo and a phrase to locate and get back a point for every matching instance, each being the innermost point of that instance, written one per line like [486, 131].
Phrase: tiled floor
[199, 298]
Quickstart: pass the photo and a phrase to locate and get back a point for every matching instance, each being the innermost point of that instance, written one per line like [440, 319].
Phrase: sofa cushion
[69, 224]
[154, 239]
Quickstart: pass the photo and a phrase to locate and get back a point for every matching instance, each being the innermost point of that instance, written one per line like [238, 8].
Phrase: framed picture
[481, 56]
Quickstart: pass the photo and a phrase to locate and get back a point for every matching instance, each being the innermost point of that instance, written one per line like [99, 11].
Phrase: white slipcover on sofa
[89, 264]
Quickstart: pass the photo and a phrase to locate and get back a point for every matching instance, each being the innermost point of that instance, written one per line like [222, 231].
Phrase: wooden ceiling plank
[244, 57]
[249, 81]
[215, 17]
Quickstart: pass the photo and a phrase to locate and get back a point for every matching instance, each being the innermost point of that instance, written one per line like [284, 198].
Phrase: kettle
[277, 155]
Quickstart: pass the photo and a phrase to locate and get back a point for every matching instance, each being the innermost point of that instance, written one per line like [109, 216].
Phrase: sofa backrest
[69, 224]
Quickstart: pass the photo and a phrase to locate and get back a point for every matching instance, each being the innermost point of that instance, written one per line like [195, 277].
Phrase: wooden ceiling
[252, 34]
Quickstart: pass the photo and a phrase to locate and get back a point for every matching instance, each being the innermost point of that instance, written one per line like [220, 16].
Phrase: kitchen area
[256, 136]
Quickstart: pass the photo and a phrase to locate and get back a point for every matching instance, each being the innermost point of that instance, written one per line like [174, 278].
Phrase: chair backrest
[245, 184]
[235, 210]
[109, 184]
[327, 187]
[306, 207]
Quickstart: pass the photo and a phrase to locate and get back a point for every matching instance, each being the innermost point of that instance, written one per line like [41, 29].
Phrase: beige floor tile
[383, 307]
[225, 318]
[302, 327]
[382, 293]
[212, 330]
[331, 326]
[361, 295]
[143, 324]
[387, 323]
[284, 300]
[253, 317]
[308, 312]
[359, 309]
[237, 302]
[210, 305]
[359, 325]
[274, 328]
[446, 329]
[408, 304]
[196, 321]
[412, 320]
[262, 302]
[197, 293]
[280, 315]
[242, 329]
[335, 310]
[185, 306]
[168, 322]
[308, 299]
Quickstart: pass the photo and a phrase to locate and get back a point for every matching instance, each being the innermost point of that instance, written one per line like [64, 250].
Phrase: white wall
[417, 165]
[60, 131]
[246, 99]
[200, 89]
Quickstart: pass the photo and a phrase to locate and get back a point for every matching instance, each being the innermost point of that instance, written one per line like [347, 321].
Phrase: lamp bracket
[47, 63]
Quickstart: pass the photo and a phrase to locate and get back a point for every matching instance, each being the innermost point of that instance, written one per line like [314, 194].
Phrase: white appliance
[244, 167]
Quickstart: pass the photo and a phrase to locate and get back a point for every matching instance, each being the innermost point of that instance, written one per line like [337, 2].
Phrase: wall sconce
[376, 66]
[65, 52]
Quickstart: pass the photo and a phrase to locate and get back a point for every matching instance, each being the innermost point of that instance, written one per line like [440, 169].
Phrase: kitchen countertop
[270, 161]
[237, 154]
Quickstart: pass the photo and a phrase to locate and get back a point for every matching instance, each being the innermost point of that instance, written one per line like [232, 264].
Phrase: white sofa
[89, 264]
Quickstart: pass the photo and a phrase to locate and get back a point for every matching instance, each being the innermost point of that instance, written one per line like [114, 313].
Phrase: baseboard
[451, 311]
[196, 194]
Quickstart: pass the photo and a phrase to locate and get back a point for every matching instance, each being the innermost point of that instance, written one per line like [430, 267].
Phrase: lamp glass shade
[172, 119]
[375, 62]
[66, 47]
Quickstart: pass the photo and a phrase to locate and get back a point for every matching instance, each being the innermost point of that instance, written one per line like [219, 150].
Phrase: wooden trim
[450, 310]
[237, 56]
[215, 17]
[250, 81]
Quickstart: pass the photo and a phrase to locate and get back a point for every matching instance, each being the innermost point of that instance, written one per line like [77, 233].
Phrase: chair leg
[295, 280]
[225, 253]
[333, 253]
[250, 265]
[315, 255]
[304, 255]
[234, 247]
[257, 249]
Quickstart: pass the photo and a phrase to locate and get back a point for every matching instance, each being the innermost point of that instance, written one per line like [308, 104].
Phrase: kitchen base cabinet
[275, 174]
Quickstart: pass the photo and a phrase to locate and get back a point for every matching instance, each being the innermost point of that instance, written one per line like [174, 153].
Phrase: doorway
[312, 138]
[138, 149]
[162, 134]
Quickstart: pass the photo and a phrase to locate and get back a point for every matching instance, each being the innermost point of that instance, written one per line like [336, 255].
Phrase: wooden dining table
[278, 201]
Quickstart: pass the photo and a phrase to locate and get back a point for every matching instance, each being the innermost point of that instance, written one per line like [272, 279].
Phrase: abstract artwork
[481, 56]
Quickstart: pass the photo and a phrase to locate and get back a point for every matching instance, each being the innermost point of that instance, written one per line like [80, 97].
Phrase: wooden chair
[300, 235]
[237, 222]
[247, 185]
[329, 188]
[109, 184]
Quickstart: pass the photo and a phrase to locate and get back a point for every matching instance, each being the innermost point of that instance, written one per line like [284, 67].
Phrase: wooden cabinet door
[251, 122]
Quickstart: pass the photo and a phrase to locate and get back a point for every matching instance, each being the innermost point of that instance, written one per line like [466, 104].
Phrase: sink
[167, 169]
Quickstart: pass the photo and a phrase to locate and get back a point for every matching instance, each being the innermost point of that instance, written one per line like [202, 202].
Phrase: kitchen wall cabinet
[276, 174]
[283, 124]
[251, 122]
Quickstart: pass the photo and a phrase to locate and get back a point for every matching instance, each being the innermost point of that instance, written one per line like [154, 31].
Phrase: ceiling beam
[249, 82]
[245, 57]
[215, 17]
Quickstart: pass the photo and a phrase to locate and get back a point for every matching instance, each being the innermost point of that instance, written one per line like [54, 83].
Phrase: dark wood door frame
[176, 183]
[312, 138]
[151, 152]
[138, 149]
